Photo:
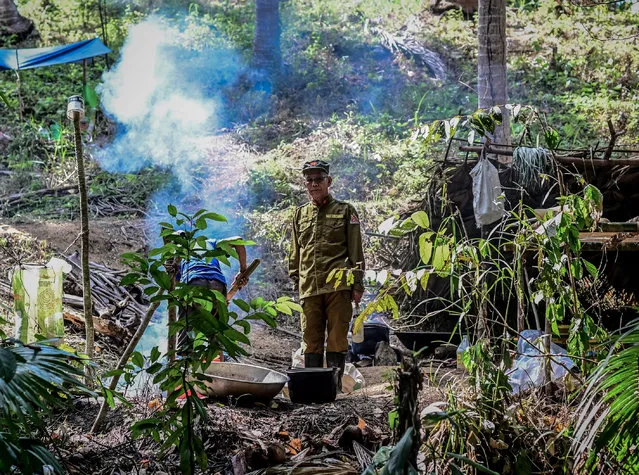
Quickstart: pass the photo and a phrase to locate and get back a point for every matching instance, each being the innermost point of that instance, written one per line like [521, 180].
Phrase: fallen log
[101, 325]
[10, 199]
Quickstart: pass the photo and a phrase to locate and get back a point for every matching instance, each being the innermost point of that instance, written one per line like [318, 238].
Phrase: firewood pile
[117, 309]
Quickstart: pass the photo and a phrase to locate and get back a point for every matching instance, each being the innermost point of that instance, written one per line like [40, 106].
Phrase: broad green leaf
[423, 281]
[441, 256]
[172, 210]
[282, 308]
[552, 138]
[591, 268]
[155, 354]
[137, 359]
[140, 427]
[421, 219]
[201, 224]
[392, 306]
[425, 248]
[242, 304]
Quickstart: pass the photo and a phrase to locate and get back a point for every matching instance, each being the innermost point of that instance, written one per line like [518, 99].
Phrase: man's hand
[240, 280]
[357, 296]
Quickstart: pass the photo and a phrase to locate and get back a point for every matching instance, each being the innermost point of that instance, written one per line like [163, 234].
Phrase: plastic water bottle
[463, 346]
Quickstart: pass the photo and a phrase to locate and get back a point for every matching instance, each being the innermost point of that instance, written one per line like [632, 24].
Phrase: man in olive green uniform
[326, 236]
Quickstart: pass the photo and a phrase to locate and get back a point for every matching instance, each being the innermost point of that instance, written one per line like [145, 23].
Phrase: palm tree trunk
[84, 233]
[267, 55]
[491, 64]
[11, 22]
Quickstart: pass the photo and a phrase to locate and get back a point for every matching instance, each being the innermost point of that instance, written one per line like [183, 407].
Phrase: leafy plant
[211, 325]
[608, 413]
[33, 379]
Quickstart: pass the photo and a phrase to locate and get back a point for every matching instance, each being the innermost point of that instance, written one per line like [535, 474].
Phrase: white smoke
[165, 101]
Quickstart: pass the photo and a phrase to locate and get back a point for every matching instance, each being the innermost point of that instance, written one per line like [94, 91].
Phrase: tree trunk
[84, 234]
[11, 22]
[267, 56]
[491, 65]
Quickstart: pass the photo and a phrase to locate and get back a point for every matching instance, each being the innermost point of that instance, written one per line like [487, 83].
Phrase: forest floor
[239, 437]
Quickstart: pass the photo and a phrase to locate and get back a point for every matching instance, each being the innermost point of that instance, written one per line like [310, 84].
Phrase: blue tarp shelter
[29, 58]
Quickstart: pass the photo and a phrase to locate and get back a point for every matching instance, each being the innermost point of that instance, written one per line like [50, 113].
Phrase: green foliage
[33, 379]
[212, 328]
[609, 409]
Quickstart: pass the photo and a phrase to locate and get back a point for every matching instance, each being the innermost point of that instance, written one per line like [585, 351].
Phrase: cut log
[102, 325]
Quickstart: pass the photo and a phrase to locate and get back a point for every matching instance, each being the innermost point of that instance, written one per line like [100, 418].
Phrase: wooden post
[84, 239]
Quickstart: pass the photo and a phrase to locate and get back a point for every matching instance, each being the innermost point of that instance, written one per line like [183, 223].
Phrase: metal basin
[237, 379]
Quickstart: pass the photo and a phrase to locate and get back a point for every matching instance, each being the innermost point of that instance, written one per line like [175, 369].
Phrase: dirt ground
[108, 237]
[254, 435]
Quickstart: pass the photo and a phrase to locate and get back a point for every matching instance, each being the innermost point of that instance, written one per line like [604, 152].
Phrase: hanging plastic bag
[488, 199]
[37, 292]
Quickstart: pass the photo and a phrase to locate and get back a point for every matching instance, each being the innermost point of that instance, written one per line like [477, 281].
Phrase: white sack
[488, 199]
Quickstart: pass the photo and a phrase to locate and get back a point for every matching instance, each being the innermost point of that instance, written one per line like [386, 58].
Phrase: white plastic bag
[527, 371]
[488, 199]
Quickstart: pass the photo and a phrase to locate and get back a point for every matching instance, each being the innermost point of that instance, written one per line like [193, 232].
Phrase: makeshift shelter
[29, 58]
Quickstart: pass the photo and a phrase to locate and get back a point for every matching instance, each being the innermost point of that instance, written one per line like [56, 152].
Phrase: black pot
[312, 385]
[373, 334]
[427, 341]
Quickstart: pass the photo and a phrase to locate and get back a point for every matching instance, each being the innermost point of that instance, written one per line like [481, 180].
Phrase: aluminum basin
[237, 379]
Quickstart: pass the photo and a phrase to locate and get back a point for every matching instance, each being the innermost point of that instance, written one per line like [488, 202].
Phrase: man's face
[317, 183]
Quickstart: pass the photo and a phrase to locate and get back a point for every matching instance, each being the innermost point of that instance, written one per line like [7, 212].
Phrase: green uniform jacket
[325, 237]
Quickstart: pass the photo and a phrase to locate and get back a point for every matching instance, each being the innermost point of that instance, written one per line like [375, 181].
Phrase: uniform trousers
[326, 314]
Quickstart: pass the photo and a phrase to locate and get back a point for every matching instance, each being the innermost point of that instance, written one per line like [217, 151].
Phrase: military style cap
[315, 165]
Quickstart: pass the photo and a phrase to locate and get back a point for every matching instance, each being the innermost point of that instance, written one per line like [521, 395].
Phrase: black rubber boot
[337, 360]
[313, 360]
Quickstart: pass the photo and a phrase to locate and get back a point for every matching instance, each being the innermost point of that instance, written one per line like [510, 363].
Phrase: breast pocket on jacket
[305, 231]
[335, 230]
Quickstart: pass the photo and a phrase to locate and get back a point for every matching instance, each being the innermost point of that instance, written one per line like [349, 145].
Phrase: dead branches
[110, 299]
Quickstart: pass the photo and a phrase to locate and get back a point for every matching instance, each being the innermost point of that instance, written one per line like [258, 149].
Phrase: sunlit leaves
[425, 247]
[420, 218]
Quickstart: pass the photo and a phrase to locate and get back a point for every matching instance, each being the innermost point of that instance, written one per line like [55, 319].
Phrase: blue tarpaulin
[18, 59]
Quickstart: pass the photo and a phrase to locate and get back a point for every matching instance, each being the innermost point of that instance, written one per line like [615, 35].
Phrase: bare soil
[108, 237]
